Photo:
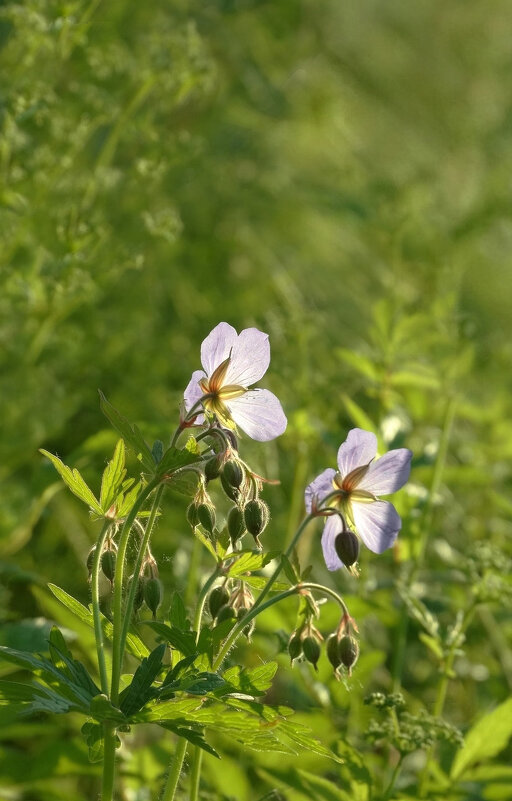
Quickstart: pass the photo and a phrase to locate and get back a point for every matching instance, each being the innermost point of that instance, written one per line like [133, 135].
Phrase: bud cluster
[231, 603]
[341, 647]
[305, 642]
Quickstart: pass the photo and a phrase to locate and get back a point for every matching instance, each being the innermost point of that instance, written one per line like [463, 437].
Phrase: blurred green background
[336, 174]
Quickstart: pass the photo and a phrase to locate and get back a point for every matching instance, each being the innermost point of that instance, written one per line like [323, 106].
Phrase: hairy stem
[195, 772]
[109, 762]
[174, 770]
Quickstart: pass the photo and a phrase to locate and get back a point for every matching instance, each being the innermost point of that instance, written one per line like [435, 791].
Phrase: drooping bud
[347, 547]
[333, 651]
[213, 466]
[226, 612]
[218, 597]
[232, 478]
[192, 516]
[294, 647]
[349, 651]
[153, 594]
[241, 612]
[108, 564]
[206, 516]
[139, 593]
[311, 649]
[236, 524]
[256, 516]
[90, 560]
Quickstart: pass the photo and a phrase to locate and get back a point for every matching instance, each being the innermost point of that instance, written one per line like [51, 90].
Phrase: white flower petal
[217, 346]
[389, 473]
[320, 486]
[194, 392]
[358, 449]
[377, 524]
[332, 528]
[250, 358]
[258, 413]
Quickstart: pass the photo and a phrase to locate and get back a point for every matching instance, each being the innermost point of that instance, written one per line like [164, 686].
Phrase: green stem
[202, 598]
[109, 762]
[174, 770]
[391, 786]
[252, 613]
[195, 772]
[96, 611]
[119, 633]
[138, 564]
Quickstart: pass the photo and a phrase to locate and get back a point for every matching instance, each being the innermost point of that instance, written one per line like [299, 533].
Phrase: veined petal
[217, 347]
[193, 391]
[250, 358]
[332, 528]
[259, 414]
[389, 473]
[320, 486]
[358, 449]
[377, 524]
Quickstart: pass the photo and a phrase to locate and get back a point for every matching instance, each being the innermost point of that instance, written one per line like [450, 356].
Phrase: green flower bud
[213, 466]
[226, 612]
[311, 649]
[236, 524]
[295, 646]
[139, 593]
[206, 516]
[349, 651]
[90, 559]
[233, 473]
[347, 547]
[256, 516]
[108, 564]
[192, 517]
[333, 651]
[218, 597]
[153, 594]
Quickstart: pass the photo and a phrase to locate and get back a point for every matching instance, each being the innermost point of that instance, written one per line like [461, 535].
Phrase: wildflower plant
[185, 681]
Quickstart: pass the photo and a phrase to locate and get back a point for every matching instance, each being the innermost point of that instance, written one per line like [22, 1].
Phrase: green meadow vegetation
[337, 175]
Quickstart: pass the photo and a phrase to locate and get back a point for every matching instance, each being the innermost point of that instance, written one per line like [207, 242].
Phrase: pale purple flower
[359, 481]
[231, 363]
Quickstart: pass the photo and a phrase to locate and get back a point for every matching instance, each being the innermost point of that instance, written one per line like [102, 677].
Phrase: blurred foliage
[338, 175]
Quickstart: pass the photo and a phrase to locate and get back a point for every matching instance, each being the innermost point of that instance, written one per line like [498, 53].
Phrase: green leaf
[93, 736]
[362, 364]
[130, 433]
[289, 571]
[113, 477]
[37, 697]
[72, 668]
[133, 643]
[183, 641]
[176, 458]
[139, 691]
[485, 739]
[178, 613]
[249, 561]
[252, 681]
[167, 710]
[202, 683]
[192, 736]
[102, 710]
[74, 481]
[206, 542]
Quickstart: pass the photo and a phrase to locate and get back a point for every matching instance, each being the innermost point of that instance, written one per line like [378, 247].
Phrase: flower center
[347, 486]
[219, 392]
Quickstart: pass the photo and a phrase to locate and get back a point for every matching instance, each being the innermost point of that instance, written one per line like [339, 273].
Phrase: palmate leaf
[183, 641]
[193, 736]
[74, 481]
[63, 660]
[249, 561]
[178, 613]
[41, 667]
[133, 643]
[113, 477]
[176, 458]
[252, 681]
[140, 689]
[130, 433]
[33, 698]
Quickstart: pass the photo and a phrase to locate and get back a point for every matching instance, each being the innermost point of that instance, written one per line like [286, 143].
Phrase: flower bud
[192, 517]
[153, 594]
[90, 560]
[256, 516]
[332, 648]
[139, 593]
[349, 651]
[347, 547]
[218, 597]
[241, 612]
[232, 477]
[295, 646]
[108, 564]
[226, 612]
[213, 466]
[206, 516]
[311, 649]
[236, 524]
